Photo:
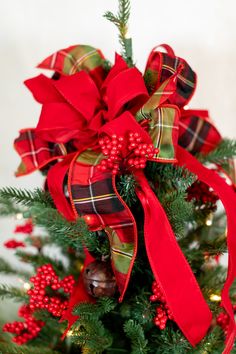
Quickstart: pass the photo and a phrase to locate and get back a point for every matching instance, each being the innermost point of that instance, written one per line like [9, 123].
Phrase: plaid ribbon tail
[94, 196]
[36, 153]
[197, 133]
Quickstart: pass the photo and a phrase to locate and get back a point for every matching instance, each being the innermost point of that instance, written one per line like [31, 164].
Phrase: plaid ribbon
[36, 153]
[75, 58]
[163, 119]
[196, 132]
[161, 66]
[94, 195]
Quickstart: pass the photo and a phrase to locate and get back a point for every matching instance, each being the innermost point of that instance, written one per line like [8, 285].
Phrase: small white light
[19, 216]
[27, 286]
[69, 333]
[215, 297]
[209, 222]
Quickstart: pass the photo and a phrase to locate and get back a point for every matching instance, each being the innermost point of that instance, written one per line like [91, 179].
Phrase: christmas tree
[133, 185]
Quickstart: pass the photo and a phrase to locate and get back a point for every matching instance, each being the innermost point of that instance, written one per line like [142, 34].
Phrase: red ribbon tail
[79, 295]
[228, 198]
[170, 268]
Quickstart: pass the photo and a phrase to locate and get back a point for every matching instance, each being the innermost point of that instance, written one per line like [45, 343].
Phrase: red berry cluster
[46, 278]
[137, 157]
[12, 243]
[163, 312]
[223, 320]
[200, 192]
[141, 152]
[24, 331]
[111, 147]
[26, 228]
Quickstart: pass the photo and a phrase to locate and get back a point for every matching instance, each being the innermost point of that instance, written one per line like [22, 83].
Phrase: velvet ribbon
[228, 199]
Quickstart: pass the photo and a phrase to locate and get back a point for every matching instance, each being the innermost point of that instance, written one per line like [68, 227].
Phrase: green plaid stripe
[121, 252]
[162, 66]
[76, 58]
[163, 120]
[163, 129]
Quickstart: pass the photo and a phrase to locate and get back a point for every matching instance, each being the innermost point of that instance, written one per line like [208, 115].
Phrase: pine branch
[37, 260]
[91, 311]
[6, 268]
[135, 333]
[121, 22]
[126, 188]
[91, 336]
[61, 231]
[170, 176]
[11, 292]
[97, 243]
[26, 197]
[9, 348]
[7, 208]
[171, 341]
[224, 151]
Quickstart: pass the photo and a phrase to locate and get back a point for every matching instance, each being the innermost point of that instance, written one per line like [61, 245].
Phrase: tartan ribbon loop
[85, 102]
[77, 58]
[160, 66]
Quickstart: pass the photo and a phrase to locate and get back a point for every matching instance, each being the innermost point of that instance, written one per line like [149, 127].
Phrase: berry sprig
[141, 152]
[111, 147]
[163, 312]
[203, 195]
[12, 243]
[27, 330]
[223, 320]
[40, 298]
[138, 152]
[26, 228]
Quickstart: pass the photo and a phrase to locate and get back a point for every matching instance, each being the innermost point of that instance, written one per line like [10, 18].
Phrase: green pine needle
[121, 22]
[135, 333]
[11, 292]
[6, 268]
[60, 230]
[224, 151]
[9, 348]
[26, 197]
[8, 208]
[126, 188]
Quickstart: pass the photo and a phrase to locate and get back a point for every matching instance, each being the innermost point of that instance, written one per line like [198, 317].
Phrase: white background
[203, 32]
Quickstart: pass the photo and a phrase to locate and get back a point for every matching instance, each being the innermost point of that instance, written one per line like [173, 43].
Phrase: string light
[70, 333]
[215, 297]
[19, 216]
[26, 286]
[209, 220]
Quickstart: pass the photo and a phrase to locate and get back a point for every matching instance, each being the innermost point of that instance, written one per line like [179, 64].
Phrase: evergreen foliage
[12, 292]
[121, 22]
[225, 150]
[6, 268]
